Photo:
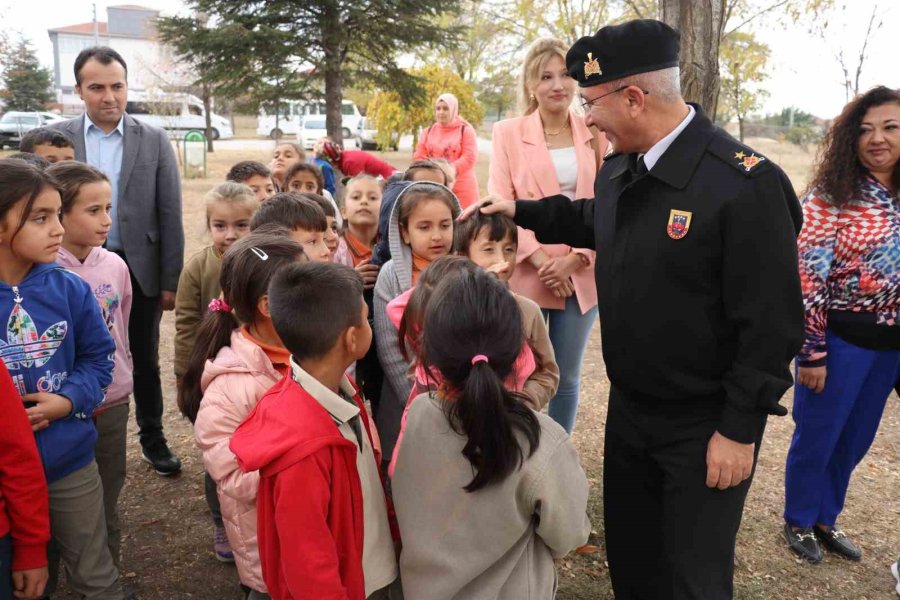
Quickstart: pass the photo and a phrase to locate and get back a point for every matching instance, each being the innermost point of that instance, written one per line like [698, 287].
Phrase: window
[137, 108]
[195, 110]
[347, 109]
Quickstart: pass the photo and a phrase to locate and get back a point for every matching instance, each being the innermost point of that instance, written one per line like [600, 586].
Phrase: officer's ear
[635, 97]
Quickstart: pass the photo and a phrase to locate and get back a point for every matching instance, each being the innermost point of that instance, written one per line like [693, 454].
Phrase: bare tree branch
[753, 16]
[637, 9]
[862, 53]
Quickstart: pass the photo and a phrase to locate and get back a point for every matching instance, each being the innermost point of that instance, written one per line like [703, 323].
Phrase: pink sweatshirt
[107, 274]
[523, 368]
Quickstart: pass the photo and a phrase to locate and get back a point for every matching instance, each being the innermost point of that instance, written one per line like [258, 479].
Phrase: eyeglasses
[588, 104]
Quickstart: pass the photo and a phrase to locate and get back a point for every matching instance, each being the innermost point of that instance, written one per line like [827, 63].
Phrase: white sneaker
[895, 570]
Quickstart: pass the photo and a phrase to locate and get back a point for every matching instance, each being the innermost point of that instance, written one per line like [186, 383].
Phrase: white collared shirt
[660, 147]
[379, 560]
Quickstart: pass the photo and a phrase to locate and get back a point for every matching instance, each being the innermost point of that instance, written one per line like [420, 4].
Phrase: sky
[803, 70]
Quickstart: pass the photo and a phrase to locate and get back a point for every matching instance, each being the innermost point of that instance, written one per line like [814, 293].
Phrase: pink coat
[458, 144]
[521, 169]
[232, 384]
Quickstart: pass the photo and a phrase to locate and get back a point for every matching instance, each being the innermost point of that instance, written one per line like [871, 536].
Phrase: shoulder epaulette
[743, 158]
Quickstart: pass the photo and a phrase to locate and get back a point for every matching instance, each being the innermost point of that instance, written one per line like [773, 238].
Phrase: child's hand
[36, 419]
[369, 273]
[50, 406]
[30, 583]
[498, 269]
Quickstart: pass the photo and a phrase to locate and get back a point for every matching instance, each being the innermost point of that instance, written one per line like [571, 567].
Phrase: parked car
[14, 124]
[367, 137]
[176, 113]
[311, 130]
[294, 111]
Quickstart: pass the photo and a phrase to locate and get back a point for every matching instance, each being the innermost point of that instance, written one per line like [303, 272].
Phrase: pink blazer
[521, 169]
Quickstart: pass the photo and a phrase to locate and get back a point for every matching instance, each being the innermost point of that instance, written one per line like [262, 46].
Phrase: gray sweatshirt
[497, 543]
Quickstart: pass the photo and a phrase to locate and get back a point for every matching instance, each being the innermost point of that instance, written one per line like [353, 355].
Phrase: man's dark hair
[102, 54]
[290, 210]
[312, 304]
[44, 136]
[32, 159]
[246, 169]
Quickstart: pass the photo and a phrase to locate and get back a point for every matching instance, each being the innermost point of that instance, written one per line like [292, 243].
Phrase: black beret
[617, 51]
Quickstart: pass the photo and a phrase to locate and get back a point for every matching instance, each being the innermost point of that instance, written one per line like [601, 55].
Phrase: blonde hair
[539, 53]
[232, 193]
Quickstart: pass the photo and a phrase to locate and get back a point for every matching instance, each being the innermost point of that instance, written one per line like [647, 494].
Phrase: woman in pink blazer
[546, 152]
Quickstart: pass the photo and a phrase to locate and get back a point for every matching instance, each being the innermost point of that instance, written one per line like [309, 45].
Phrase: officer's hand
[812, 377]
[728, 463]
[490, 205]
[167, 300]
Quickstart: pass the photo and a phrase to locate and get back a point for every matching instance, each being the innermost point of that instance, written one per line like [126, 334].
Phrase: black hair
[44, 136]
[21, 181]
[38, 162]
[469, 315]
[291, 210]
[102, 54]
[500, 228]
[244, 170]
[305, 167]
[313, 304]
[247, 267]
[410, 329]
[423, 165]
[71, 175]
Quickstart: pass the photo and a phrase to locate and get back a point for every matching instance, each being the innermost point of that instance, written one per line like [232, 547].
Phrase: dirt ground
[168, 532]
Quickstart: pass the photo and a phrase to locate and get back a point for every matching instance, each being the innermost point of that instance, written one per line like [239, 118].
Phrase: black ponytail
[247, 267]
[473, 335]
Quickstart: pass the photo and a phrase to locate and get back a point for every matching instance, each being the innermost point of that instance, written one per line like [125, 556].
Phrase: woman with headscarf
[452, 138]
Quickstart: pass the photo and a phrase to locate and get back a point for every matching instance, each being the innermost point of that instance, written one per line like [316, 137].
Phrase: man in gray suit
[146, 226]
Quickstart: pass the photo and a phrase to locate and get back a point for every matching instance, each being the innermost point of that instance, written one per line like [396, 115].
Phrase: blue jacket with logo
[56, 341]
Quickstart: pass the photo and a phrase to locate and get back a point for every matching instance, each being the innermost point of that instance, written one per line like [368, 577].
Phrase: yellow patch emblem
[591, 66]
[679, 224]
[748, 162]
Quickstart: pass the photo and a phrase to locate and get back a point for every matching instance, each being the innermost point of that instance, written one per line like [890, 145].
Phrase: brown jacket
[542, 384]
[198, 284]
[498, 542]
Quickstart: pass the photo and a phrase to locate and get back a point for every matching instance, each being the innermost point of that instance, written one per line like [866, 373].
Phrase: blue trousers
[569, 332]
[834, 430]
[6, 567]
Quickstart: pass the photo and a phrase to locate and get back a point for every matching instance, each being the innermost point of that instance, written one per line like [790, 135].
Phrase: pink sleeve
[468, 152]
[421, 151]
[499, 178]
[397, 306]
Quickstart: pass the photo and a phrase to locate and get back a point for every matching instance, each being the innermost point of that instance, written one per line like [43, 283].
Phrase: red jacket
[24, 507]
[354, 162]
[309, 503]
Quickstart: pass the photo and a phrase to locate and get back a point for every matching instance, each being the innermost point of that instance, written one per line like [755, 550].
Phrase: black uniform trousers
[668, 535]
[143, 341]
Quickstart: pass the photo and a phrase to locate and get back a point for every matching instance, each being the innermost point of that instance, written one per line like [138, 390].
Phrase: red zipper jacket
[24, 507]
[309, 503]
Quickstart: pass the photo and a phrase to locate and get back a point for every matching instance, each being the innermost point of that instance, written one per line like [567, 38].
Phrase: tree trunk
[332, 41]
[741, 128]
[207, 109]
[701, 23]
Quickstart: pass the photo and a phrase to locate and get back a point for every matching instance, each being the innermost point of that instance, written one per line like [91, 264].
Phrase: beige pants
[78, 536]
[112, 437]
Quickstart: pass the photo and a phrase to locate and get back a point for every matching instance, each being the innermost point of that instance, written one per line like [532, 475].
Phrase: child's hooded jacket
[57, 341]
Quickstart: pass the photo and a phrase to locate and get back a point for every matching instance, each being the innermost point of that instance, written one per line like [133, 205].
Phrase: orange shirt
[419, 265]
[279, 355]
[359, 251]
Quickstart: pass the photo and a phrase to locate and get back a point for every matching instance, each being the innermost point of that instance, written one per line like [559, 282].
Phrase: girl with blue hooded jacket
[60, 355]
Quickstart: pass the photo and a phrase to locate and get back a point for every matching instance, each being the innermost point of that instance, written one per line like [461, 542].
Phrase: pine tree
[26, 84]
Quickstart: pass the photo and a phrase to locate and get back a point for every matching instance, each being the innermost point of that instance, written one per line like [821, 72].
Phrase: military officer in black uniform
[700, 311]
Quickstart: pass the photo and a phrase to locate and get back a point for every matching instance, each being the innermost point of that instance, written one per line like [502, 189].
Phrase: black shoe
[838, 542]
[803, 542]
[157, 453]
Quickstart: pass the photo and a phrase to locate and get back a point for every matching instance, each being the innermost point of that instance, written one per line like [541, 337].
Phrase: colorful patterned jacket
[849, 262]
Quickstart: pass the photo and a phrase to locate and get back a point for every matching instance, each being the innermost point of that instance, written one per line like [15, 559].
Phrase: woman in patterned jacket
[849, 252]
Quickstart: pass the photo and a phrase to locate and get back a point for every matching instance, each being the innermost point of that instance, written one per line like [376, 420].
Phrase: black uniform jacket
[697, 278]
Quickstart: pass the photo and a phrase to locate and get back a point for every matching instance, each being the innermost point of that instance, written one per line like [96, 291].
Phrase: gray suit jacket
[149, 203]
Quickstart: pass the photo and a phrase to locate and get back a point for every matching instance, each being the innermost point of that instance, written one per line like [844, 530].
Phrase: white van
[292, 113]
[176, 113]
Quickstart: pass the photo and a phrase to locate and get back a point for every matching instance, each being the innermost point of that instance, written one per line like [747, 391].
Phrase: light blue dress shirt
[104, 151]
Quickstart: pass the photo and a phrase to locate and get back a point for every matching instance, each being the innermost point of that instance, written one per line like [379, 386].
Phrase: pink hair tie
[218, 305]
[479, 358]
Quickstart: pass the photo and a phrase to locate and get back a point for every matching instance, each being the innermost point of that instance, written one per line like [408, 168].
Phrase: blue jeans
[834, 430]
[6, 567]
[569, 332]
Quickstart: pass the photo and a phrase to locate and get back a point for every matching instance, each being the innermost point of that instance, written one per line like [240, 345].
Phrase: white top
[662, 145]
[566, 165]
